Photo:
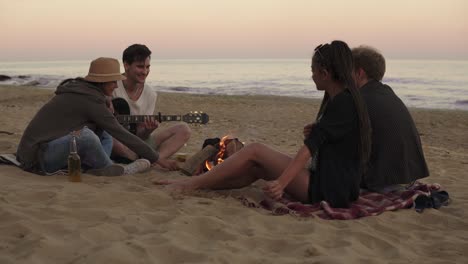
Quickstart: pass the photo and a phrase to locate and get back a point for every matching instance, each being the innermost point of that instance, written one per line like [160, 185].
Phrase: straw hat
[104, 70]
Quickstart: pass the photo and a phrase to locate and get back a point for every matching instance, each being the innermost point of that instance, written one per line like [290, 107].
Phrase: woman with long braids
[338, 142]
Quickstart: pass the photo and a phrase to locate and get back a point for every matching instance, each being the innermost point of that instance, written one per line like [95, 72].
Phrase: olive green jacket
[76, 104]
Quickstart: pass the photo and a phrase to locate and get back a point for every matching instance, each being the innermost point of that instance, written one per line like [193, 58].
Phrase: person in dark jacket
[79, 107]
[339, 140]
[397, 156]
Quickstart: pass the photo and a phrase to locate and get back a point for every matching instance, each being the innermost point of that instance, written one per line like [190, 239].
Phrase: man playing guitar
[141, 100]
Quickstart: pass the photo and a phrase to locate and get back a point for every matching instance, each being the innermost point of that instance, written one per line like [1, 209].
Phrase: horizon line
[232, 58]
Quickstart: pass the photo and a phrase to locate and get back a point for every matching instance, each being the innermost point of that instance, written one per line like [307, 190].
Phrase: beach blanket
[418, 195]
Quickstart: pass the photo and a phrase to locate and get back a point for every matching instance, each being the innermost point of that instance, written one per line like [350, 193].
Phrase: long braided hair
[337, 59]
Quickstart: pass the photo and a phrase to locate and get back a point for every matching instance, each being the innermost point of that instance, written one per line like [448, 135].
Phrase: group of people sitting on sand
[363, 135]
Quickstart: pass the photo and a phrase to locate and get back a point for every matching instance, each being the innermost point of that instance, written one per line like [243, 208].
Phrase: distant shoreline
[279, 97]
[419, 83]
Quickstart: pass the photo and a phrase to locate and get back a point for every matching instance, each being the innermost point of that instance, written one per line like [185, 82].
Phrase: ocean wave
[180, 88]
[33, 80]
[415, 92]
[423, 81]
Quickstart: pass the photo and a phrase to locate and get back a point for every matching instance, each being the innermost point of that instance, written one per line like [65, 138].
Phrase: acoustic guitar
[122, 114]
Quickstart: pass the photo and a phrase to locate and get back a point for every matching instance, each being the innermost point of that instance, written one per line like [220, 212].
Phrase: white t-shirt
[145, 104]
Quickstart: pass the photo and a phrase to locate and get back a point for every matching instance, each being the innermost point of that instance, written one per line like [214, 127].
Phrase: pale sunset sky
[184, 29]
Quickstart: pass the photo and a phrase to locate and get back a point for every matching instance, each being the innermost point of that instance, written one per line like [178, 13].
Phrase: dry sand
[129, 220]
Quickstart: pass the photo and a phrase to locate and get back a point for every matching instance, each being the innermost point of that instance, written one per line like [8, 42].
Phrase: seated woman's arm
[275, 188]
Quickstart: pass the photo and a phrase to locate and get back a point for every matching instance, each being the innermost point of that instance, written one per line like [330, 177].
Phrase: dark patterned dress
[334, 140]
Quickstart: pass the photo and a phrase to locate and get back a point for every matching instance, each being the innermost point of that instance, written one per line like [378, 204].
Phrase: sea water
[441, 84]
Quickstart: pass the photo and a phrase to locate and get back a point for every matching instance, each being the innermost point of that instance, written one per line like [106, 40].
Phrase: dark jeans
[94, 151]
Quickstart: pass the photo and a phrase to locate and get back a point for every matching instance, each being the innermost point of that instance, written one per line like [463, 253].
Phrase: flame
[219, 156]
[208, 165]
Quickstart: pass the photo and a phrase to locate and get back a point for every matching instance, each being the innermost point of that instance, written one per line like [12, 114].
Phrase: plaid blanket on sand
[368, 204]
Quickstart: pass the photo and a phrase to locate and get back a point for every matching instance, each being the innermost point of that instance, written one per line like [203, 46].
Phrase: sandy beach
[47, 219]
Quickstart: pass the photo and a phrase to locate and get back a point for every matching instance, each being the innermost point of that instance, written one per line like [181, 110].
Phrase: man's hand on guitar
[168, 164]
[146, 128]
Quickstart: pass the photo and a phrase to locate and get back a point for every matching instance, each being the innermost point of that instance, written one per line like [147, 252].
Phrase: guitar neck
[129, 119]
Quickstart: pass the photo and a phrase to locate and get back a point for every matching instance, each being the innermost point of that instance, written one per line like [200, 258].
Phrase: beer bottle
[74, 162]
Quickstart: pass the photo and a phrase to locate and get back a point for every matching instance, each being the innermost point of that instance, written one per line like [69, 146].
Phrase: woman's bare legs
[254, 161]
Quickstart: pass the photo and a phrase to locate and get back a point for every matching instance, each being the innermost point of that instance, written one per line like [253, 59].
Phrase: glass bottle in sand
[74, 162]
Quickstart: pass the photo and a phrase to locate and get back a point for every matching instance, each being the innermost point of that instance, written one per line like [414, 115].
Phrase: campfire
[214, 151]
[226, 147]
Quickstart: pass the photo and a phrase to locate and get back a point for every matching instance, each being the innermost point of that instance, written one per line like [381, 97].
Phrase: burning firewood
[214, 152]
[192, 165]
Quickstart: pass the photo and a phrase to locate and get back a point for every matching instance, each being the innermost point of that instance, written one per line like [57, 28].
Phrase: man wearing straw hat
[79, 107]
